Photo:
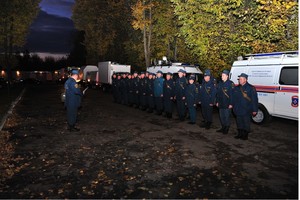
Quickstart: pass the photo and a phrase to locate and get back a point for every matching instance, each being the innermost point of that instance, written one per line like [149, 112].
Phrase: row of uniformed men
[151, 91]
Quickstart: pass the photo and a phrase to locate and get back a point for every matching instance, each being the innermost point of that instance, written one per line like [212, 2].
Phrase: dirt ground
[123, 152]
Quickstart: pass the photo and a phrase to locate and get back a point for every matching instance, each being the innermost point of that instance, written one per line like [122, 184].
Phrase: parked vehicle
[275, 77]
[89, 75]
[166, 66]
[106, 70]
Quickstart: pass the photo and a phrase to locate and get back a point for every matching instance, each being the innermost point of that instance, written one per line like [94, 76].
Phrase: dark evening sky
[53, 30]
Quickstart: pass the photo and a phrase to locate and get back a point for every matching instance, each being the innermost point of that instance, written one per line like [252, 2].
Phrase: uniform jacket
[136, 85]
[207, 92]
[224, 94]
[158, 87]
[243, 105]
[150, 87]
[180, 86]
[142, 86]
[73, 94]
[169, 88]
[191, 95]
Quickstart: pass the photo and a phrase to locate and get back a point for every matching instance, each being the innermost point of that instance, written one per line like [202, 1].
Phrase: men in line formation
[151, 92]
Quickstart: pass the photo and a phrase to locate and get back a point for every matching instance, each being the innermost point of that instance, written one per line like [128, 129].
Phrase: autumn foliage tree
[16, 17]
[219, 31]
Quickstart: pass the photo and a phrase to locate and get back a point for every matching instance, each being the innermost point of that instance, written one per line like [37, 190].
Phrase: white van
[275, 77]
[175, 67]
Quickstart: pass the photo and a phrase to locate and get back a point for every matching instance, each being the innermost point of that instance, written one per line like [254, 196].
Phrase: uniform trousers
[159, 104]
[72, 116]
[192, 113]
[207, 112]
[181, 108]
[225, 114]
[243, 122]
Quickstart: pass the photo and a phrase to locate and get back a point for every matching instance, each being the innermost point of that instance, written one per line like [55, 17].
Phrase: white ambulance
[275, 77]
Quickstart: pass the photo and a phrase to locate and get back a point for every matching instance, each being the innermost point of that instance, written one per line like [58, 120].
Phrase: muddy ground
[123, 152]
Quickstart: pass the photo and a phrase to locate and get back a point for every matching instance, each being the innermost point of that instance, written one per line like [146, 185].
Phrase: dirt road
[123, 152]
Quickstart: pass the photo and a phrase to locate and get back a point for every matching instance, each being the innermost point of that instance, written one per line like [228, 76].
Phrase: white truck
[89, 77]
[275, 77]
[106, 70]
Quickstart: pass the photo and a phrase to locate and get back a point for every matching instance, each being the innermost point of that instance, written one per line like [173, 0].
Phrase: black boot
[239, 135]
[225, 130]
[221, 129]
[207, 126]
[203, 124]
[244, 135]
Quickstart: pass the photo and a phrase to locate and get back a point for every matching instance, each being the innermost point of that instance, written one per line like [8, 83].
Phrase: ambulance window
[289, 76]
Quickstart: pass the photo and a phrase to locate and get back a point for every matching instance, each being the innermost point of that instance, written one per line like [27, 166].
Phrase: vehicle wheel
[262, 116]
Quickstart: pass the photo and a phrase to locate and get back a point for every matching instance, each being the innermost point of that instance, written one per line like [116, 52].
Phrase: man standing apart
[207, 98]
[245, 104]
[73, 99]
[224, 101]
[180, 87]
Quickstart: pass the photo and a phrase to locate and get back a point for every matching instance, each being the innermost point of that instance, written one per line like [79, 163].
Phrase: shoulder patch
[76, 85]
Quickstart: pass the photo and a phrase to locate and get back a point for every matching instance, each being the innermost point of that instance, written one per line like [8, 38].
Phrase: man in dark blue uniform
[158, 92]
[224, 101]
[130, 90]
[180, 87]
[191, 94]
[73, 100]
[114, 87]
[207, 99]
[142, 91]
[124, 89]
[150, 93]
[136, 89]
[245, 105]
[118, 88]
[169, 87]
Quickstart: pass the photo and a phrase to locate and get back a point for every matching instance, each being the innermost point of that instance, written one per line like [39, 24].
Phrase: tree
[142, 13]
[219, 31]
[99, 21]
[16, 17]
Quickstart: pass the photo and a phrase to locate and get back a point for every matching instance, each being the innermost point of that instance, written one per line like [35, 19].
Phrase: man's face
[224, 77]
[119, 77]
[135, 75]
[158, 75]
[180, 74]
[114, 76]
[75, 76]
[191, 81]
[142, 75]
[207, 78]
[242, 80]
[150, 76]
[129, 76]
[168, 77]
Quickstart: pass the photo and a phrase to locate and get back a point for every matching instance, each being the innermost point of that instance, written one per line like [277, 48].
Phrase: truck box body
[106, 70]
